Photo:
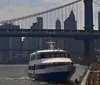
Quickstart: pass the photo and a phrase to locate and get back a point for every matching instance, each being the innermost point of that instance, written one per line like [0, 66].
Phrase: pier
[92, 75]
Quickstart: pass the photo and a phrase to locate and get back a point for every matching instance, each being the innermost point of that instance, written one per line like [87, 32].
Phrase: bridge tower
[88, 43]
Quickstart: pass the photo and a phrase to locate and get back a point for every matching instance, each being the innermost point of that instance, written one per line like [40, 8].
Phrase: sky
[16, 8]
[10, 9]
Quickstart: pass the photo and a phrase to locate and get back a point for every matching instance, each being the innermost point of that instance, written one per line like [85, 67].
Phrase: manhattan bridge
[77, 21]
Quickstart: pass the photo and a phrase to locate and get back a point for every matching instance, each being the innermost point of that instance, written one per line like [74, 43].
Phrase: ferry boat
[51, 65]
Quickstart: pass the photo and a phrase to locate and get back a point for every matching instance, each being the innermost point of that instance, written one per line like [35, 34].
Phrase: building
[30, 43]
[70, 23]
[11, 43]
[40, 26]
[58, 24]
[26, 45]
[15, 43]
[33, 43]
[59, 41]
[71, 44]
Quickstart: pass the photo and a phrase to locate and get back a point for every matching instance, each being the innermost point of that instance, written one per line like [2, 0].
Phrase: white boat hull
[53, 74]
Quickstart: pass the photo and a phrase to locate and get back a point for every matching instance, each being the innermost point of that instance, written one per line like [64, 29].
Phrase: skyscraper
[71, 44]
[40, 26]
[34, 40]
[33, 43]
[40, 22]
[70, 23]
[58, 24]
[59, 41]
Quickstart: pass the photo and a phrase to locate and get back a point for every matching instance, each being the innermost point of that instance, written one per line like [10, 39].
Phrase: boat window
[62, 55]
[42, 55]
[61, 63]
[47, 55]
[57, 55]
[40, 66]
[33, 57]
[38, 56]
[53, 54]
[31, 67]
[68, 54]
[43, 66]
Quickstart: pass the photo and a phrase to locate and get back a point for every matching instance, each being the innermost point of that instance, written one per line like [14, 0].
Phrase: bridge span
[77, 20]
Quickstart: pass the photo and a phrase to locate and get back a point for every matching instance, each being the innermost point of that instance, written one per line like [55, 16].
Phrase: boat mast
[51, 45]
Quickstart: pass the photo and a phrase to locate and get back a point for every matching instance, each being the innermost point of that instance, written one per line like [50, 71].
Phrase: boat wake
[16, 78]
[22, 81]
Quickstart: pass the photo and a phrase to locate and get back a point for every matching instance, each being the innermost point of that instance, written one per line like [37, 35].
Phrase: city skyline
[10, 8]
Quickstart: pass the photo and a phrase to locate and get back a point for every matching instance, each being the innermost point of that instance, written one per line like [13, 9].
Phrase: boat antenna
[51, 45]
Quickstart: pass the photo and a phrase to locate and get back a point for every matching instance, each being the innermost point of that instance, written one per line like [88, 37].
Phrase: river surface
[17, 75]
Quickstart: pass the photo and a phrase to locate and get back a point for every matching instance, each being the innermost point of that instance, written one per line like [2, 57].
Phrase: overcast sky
[10, 9]
[17, 8]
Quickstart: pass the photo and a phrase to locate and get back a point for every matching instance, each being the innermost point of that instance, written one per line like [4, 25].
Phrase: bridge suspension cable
[37, 14]
[96, 2]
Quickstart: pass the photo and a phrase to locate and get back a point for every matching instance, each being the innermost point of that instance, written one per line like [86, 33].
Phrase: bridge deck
[80, 34]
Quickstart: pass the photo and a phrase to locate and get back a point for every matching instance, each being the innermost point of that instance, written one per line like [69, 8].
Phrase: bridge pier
[88, 48]
[88, 43]
[88, 15]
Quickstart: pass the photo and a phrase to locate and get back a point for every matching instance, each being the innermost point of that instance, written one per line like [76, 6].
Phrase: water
[17, 75]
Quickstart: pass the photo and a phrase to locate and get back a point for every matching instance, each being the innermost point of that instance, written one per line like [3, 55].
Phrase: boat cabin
[41, 55]
[50, 63]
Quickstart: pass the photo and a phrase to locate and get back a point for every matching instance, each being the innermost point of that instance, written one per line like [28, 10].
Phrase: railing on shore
[85, 77]
[92, 76]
